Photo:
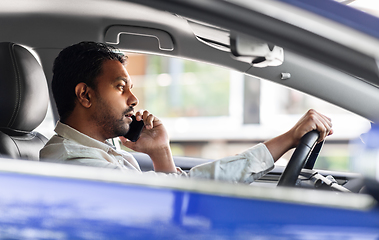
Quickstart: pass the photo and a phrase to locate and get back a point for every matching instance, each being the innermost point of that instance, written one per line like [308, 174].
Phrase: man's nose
[132, 100]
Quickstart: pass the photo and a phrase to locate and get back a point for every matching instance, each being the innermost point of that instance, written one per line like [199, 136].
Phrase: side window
[177, 88]
[213, 112]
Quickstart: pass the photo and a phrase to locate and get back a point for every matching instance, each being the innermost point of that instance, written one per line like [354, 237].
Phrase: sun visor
[129, 37]
[255, 51]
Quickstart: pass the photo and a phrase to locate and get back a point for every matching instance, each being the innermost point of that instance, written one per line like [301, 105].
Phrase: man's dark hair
[78, 63]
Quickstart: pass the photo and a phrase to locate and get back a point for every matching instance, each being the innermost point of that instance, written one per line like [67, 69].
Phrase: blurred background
[212, 112]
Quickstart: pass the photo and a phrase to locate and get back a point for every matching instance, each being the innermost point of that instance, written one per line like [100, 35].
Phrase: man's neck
[84, 126]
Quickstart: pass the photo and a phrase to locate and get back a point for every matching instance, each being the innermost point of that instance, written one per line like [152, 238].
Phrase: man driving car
[93, 94]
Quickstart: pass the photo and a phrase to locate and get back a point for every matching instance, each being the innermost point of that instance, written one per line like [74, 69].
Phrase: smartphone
[135, 129]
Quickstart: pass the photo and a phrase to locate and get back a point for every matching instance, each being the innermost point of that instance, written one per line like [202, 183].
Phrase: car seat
[24, 101]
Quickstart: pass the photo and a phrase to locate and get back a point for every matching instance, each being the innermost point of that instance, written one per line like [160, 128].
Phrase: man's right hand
[153, 141]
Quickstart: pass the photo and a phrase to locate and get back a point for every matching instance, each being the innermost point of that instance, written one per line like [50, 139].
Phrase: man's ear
[83, 94]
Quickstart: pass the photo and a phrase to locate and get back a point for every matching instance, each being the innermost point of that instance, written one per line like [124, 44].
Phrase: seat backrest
[24, 101]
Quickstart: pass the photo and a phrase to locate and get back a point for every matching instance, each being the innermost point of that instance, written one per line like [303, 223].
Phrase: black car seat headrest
[24, 101]
[23, 89]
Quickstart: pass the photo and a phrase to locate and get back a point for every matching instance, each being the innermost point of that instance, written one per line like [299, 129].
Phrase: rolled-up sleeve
[244, 167]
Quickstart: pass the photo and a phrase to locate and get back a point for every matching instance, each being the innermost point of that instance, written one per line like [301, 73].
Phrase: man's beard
[111, 125]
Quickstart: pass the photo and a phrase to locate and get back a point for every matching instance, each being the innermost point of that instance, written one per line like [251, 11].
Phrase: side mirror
[255, 51]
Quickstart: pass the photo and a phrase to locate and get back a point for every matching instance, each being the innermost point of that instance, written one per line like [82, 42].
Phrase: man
[93, 94]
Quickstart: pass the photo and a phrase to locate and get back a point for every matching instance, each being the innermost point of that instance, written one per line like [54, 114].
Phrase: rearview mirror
[255, 51]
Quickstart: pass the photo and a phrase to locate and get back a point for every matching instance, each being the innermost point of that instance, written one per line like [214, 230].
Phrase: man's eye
[121, 87]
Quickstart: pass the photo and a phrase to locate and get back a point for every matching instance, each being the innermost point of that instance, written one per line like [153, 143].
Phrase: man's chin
[123, 132]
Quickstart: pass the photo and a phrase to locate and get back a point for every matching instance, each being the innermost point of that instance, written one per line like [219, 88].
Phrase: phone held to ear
[135, 129]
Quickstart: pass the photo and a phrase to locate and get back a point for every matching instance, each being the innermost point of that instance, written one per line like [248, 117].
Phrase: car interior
[136, 28]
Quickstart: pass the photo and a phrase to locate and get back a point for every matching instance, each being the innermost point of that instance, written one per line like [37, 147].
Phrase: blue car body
[107, 205]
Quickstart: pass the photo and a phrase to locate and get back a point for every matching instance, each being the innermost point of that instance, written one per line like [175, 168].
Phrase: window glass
[212, 112]
[177, 88]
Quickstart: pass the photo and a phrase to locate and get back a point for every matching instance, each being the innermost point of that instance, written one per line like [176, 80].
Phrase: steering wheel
[302, 153]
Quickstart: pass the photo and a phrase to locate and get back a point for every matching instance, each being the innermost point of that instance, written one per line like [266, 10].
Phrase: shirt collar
[68, 132]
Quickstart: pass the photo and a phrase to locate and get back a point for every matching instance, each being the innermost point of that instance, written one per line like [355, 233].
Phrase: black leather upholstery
[23, 104]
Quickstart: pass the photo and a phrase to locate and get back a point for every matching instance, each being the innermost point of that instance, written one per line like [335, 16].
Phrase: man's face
[113, 103]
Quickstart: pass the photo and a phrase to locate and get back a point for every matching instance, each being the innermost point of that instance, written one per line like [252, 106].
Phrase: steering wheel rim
[298, 159]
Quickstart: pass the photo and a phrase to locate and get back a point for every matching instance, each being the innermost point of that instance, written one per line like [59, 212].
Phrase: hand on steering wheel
[299, 158]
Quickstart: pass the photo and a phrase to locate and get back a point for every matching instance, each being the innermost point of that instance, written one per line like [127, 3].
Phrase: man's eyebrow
[126, 80]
